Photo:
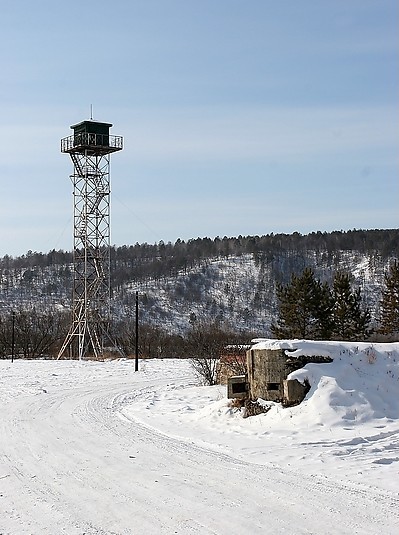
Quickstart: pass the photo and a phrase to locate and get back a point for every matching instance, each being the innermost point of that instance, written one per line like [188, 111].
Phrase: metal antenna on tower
[90, 148]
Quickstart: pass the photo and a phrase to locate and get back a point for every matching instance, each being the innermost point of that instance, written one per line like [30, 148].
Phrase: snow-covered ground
[95, 448]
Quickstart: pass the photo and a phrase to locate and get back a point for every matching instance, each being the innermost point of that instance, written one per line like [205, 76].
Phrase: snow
[96, 448]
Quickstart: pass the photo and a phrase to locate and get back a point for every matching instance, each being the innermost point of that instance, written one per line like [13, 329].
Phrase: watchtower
[90, 147]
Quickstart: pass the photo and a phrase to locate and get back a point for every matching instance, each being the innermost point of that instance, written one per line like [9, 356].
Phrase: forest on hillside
[188, 288]
[187, 271]
[143, 261]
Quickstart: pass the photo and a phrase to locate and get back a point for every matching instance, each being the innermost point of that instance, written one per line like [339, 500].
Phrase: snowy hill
[231, 279]
[241, 289]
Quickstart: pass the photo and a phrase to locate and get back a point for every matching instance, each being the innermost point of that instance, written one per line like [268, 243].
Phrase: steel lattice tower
[90, 148]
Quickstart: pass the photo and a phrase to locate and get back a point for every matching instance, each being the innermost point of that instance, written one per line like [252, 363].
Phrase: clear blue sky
[239, 116]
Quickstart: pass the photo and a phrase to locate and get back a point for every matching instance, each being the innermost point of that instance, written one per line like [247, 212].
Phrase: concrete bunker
[266, 378]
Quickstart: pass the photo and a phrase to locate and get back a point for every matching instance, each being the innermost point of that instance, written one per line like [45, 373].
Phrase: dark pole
[13, 336]
[136, 365]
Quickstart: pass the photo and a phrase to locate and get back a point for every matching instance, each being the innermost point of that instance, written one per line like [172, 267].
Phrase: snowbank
[361, 384]
[347, 426]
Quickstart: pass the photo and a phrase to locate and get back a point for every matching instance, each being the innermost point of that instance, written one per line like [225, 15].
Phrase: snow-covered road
[72, 462]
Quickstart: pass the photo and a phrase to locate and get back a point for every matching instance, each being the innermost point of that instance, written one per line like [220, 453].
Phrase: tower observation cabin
[91, 137]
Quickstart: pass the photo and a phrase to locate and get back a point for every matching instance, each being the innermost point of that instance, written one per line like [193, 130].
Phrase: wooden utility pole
[12, 336]
[136, 365]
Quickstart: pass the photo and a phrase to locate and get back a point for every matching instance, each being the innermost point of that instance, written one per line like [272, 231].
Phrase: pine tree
[389, 319]
[305, 307]
[351, 321]
[323, 312]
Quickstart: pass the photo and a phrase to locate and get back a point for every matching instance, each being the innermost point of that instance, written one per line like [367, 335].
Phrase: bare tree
[35, 334]
[205, 344]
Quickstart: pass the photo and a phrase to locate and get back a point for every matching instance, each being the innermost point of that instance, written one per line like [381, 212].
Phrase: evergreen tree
[389, 320]
[305, 308]
[351, 322]
[323, 312]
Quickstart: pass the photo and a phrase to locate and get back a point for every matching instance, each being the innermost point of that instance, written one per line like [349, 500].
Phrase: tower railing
[97, 142]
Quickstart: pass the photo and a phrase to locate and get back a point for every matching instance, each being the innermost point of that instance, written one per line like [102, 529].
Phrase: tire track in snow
[377, 504]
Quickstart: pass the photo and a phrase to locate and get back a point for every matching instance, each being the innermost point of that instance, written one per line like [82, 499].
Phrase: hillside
[230, 280]
[241, 290]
